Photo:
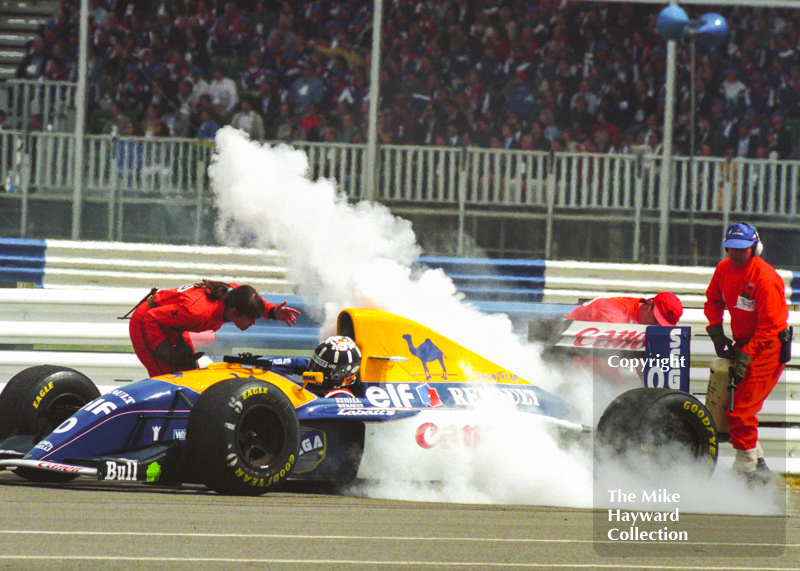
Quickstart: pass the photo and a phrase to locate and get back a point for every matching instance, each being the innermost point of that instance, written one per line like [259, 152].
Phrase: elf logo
[401, 395]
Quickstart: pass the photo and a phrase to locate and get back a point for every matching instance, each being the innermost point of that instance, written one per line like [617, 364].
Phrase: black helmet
[338, 359]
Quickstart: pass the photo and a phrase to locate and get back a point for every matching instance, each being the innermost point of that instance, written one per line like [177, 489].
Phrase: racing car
[241, 427]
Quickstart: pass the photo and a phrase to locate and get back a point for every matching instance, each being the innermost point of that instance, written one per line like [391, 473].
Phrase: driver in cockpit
[337, 359]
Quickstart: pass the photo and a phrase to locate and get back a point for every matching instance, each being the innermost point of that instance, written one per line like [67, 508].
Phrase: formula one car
[240, 428]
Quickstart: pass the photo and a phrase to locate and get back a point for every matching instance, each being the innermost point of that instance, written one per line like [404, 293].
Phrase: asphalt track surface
[93, 525]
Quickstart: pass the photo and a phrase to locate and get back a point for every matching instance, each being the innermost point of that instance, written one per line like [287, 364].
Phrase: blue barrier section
[795, 299]
[487, 279]
[22, 260]
[268, 337]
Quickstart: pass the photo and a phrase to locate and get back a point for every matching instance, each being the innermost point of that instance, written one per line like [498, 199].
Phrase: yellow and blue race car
[247, 424]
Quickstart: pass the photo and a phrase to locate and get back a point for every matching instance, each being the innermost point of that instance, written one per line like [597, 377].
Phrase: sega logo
[312, 442]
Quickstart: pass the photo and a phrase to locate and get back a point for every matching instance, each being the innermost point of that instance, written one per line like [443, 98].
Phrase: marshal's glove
[181, 355]
[722, 345]
[741, 361]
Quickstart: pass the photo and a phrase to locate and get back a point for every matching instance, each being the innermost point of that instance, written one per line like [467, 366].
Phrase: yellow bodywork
[395, 349]
[201, 379]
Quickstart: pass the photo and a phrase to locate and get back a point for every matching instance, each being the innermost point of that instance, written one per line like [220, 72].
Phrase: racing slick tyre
[242, 437]
[662, 425]
[36, 401]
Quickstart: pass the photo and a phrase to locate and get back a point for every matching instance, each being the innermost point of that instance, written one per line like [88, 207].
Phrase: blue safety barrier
[22, 260]
[486, 279]
[795, 296]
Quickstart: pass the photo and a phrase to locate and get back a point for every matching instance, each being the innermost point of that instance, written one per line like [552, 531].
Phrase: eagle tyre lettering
[660, 423]
[242, 437]
[39, 399]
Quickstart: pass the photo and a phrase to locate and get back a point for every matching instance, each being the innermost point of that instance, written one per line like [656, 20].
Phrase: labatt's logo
[601, 336]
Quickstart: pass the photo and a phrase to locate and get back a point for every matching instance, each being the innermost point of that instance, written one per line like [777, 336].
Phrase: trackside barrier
[79, 329]
[570, 282]
[65, 263]
[504, 285]
[70, 318]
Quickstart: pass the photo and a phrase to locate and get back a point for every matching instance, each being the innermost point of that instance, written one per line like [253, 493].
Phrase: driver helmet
[338, 359]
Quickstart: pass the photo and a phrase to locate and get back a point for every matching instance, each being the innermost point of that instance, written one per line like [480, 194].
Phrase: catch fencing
[72, 319]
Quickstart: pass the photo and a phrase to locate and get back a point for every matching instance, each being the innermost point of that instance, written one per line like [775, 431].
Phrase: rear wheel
[242, 437]
[661, 425]
[36, 401]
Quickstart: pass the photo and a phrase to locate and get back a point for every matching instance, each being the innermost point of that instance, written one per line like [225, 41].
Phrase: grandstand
[541, 76]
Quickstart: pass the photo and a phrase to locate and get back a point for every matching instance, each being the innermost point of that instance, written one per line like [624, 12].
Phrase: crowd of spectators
[516, 74]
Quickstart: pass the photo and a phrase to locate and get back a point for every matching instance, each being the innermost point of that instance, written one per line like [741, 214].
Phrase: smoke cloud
[360, 255]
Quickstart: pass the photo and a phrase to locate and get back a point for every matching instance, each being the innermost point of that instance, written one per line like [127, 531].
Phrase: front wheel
[36, 401]
[242, 437]
[662, 425]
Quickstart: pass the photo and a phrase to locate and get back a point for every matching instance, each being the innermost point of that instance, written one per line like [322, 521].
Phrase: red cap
[667, 308]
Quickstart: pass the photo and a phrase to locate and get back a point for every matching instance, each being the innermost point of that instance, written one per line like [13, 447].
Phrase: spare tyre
[658, 424]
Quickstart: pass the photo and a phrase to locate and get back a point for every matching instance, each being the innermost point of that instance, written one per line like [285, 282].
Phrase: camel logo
[427, 352]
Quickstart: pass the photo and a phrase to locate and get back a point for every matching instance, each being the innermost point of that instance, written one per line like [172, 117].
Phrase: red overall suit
[608, 310]
[755, 298]
[170, 314]
[604, 310]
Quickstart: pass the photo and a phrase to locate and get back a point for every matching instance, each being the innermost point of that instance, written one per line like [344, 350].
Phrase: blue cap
[740, 236]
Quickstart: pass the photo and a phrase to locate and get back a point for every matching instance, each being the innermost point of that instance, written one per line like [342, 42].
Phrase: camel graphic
[427, 352]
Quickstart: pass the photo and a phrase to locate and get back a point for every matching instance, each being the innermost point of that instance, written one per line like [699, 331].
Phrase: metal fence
[124, 177]
[497, 202]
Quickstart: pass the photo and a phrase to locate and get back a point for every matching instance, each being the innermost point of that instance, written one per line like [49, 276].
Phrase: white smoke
[360, 255]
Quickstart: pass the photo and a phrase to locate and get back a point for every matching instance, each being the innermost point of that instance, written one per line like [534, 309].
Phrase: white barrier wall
[72, 321]
[79, 328]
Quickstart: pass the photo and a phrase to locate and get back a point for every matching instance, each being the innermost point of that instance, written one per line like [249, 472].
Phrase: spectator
[783, 137]
[268, 103]
[117, 125]
[744, 142]
[223, 91]
[287, 127]
[249, 121]
[306, 90]
[348, 129]
[208, 127]
[732, 92]
[199, 85]
[34, 62]
[519, 97]
[310, 122]
[132, 92]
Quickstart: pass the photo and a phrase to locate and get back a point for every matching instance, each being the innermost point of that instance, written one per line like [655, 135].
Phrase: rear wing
[662, 354]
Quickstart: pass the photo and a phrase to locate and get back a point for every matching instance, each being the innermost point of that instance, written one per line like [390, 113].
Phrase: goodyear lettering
[260, 482]
[255, 391]
[41, 394]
